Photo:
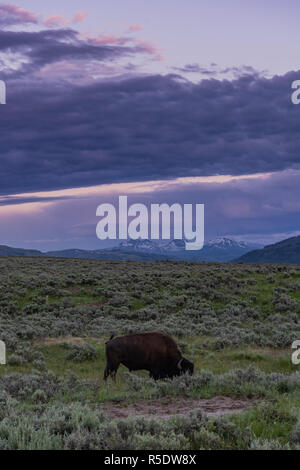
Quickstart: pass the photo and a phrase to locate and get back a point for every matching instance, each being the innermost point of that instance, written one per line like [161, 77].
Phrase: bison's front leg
[111, 371]
[154, 375]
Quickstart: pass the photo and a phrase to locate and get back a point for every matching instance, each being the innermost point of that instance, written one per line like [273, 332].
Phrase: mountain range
[218, 250]
[114, 255]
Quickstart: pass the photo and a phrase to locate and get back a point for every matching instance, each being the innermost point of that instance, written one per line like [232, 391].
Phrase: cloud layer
[59, 135]
[260, 209]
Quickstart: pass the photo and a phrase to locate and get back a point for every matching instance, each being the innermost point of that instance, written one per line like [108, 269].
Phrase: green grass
[136, 304]
[25, 300]
[272, 420]
[296, 295]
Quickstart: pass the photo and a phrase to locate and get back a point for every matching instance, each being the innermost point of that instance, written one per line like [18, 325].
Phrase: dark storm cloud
[148, 127]
[37, 49]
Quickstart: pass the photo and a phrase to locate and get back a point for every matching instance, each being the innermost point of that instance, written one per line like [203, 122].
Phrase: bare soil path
[66, 339]
[165, 408]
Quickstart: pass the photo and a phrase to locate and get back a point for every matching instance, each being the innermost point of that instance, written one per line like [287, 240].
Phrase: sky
[163, 101]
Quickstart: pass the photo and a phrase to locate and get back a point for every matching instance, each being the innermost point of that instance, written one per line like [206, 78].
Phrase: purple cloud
[11, 15]
[34, 50]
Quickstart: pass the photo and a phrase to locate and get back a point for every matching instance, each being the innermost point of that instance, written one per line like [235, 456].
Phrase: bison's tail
[112, 337]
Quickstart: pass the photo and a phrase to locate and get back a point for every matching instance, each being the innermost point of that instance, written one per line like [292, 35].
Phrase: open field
[235, 322]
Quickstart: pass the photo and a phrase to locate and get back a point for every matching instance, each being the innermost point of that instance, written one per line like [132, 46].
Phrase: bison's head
[184, 366]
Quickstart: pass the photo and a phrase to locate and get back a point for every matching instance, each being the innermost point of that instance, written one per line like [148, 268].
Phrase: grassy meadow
[236, 322]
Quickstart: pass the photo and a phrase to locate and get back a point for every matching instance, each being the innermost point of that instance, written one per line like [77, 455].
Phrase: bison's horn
[179, 364]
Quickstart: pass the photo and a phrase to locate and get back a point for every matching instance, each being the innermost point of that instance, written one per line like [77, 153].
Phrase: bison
[155, 352]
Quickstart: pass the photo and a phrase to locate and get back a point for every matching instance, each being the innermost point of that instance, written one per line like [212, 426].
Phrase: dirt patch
[66, 339]
[76, 289]
[165, 408]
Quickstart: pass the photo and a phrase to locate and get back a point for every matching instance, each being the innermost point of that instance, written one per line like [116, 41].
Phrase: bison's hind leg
[113, 375]
[112, 362]
[106, 373]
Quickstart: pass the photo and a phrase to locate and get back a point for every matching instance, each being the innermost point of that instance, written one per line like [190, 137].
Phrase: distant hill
[7, 251]
[286, 251]
[218, 250]
[117, 255]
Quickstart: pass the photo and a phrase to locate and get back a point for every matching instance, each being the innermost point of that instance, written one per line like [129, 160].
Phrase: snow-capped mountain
[152, 246]
[224, 249]
[219, 249]
[222, 242]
